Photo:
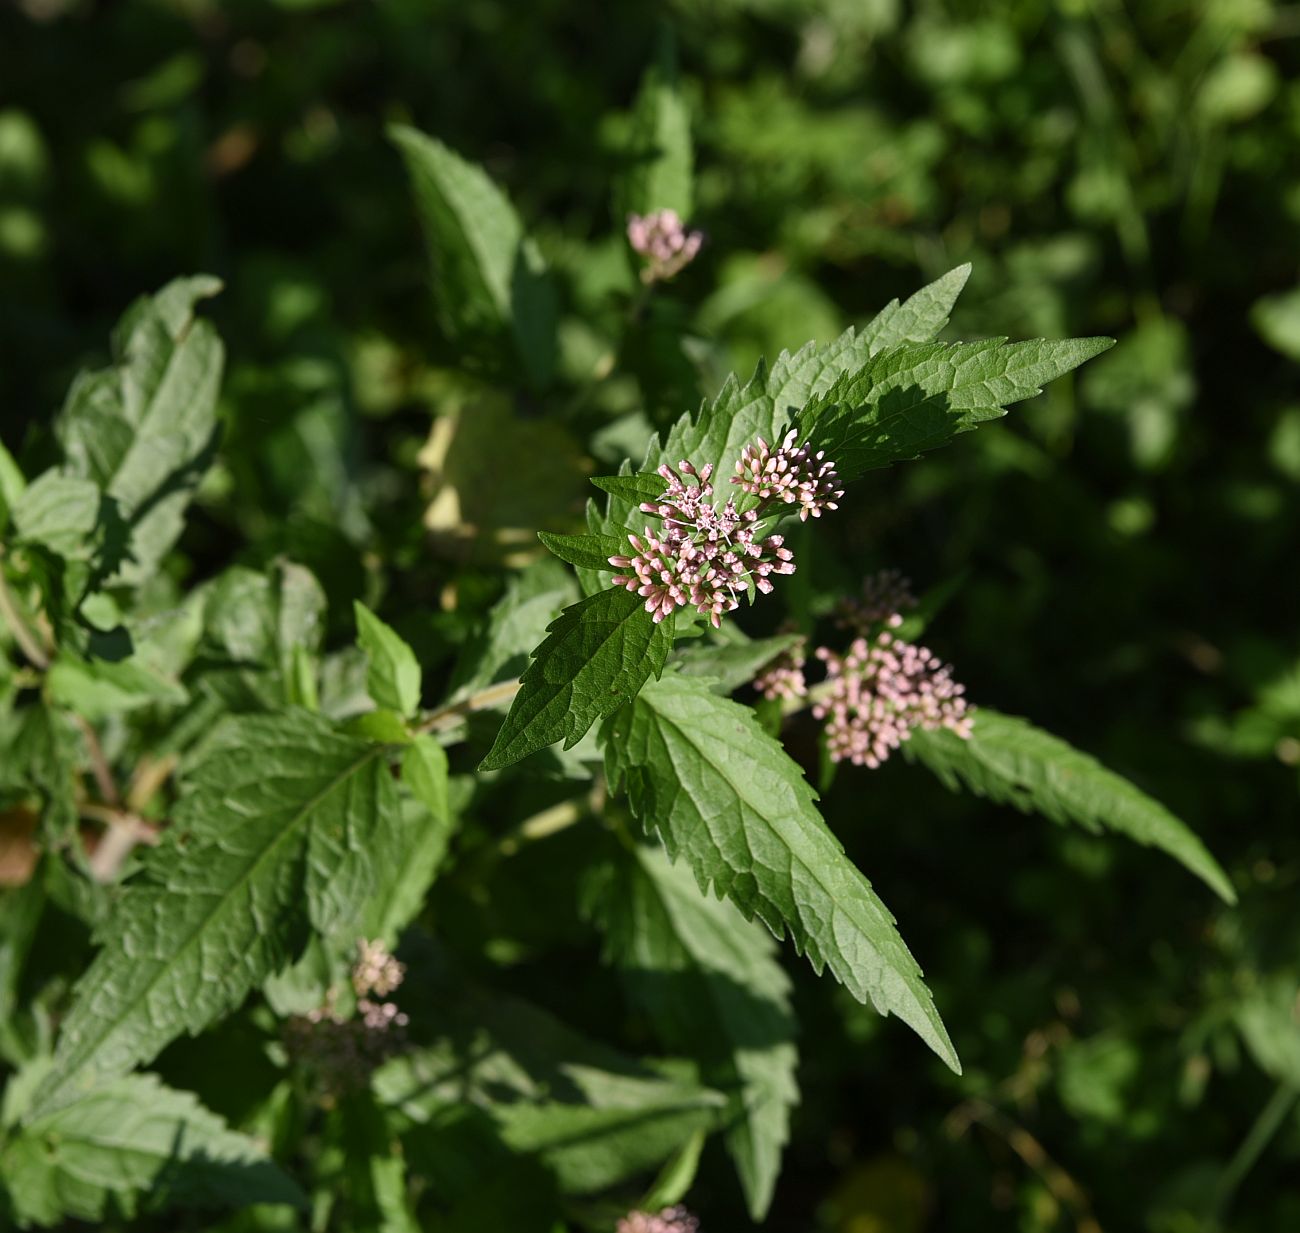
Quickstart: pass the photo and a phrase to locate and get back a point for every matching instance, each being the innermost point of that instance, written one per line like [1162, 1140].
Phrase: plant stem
[18, 627]
[1059, 1183]
[445, 717]
[118, 841]
[99, 763]
[1266, 1125]
[548, 822]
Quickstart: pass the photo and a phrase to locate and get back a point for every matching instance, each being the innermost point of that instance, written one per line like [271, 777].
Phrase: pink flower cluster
[783, 678]
[879, 692]
[705, 554]
[376, 970]
[669, 1220]
[343, 1051]
[791, 474]
[882, 689]
[662, 239]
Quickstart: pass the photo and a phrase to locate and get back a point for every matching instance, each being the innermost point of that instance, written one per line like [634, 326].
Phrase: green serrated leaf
[643, 486]
[596, 656]
[725, 797]
[259, 618]
[658, 175]
[710, 983]
[282, 826]
[393, 680]
[59, 512]
[1012, 762]
[770, 400]
[585, 551]
[489, 280]
[429, 825]
[919, 318]
[144, 430]
[917, 397]
[130, 1142]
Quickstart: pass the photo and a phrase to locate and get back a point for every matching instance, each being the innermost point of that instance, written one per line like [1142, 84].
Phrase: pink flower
[879, 692]
[669, 1220]
[784, 677]
[662, 239]
[343, 1051]
[792, 474]
[704, 555]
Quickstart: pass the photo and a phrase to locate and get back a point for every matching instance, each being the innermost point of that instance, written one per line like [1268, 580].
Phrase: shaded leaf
[729, 665]
[131, 1144]
[593, 1116]
[517, 623]
[144, 430]
[710, 983]
[726, 798]
[12, 485]
[489, 280]
[916, 397]
[284, 824]
[1012, 762]
[658, 176]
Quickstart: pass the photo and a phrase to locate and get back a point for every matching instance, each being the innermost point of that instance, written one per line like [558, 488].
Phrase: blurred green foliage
[1130, 539]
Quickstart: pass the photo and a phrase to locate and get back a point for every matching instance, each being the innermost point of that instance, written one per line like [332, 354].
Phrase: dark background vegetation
[1130, 539]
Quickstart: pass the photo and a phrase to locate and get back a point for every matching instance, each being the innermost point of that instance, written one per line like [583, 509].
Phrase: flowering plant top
[705, 555]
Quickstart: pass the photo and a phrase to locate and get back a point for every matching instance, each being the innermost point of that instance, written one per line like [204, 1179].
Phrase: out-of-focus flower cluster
[344, 1050]
[376, 971]
[669, 1220]
[885, 596]
[783, 678]
[705, 554]
[882, 689]
[663, 240]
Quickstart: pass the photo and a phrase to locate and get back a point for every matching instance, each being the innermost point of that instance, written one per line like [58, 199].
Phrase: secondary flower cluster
[882, 688]
[669, 1220]
[784, 676]
[879, 692]
[662, 239]
[705, 554]
[885, 596]
[345, 1050]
